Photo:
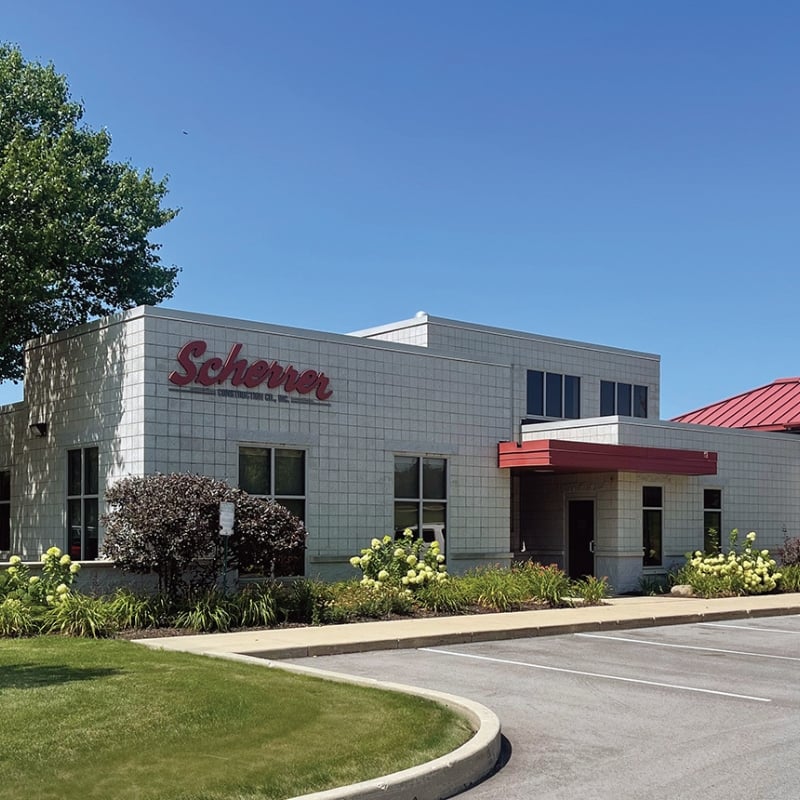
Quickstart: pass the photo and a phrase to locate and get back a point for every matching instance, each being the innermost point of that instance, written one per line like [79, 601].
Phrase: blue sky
[624, 173]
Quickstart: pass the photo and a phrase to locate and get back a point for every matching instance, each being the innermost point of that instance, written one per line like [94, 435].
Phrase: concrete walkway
[465, 766]
[617, 613]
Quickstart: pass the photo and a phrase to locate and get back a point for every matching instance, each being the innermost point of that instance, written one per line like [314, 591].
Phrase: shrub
[17, 618]
[790, 578]
[131, 610]
[789, 554]
[80, 615]
[58, 574]
[443, 596]
[208, 611]
[349, 601]
[547, 584]
[406, 562]
[169, 524]
[591, 590]
[256, 605]
[733, 573]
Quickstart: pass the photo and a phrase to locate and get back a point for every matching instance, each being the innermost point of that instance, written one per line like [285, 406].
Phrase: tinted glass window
[553, 395]
[640, 401]
[434, 479]
[572, 397]
[406, 476]
[607, 398]
[624, 399]
[290, 472]
[535, 392]
[651, 496]
[254, 470]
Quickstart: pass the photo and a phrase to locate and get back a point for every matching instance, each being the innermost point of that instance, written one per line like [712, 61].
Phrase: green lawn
[85, 720]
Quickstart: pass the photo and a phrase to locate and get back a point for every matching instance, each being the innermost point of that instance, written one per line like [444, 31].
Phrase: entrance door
[580, 534]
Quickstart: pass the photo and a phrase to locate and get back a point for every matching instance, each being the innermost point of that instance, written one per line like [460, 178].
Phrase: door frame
[567, 542]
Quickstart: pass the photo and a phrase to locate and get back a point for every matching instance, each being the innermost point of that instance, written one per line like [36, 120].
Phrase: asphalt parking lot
[708, 710]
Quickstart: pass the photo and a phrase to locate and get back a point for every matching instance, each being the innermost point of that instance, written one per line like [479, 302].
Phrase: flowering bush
[750, 571]
[405, 563]
[58, 574]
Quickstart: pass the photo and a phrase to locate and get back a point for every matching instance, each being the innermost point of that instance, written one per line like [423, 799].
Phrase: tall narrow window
[277, 474]
[712, 519]
[5, 510]
[652, 525]
[420, 497]
[82, 503]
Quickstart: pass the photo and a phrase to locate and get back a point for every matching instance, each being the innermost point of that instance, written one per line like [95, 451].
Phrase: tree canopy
[74, 225]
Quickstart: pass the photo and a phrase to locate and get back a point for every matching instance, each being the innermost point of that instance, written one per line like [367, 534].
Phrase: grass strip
[91, 720]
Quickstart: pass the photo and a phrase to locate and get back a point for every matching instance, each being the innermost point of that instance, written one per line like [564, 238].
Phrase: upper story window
[5, 510]
[82, 500]
[622, 399]
[551, 394]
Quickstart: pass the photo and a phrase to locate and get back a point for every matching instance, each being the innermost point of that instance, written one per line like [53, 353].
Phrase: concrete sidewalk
[616, 613]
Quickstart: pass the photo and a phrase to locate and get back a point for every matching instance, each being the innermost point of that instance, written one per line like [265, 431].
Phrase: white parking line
[686, 646]
[595, 675]
[746, 627]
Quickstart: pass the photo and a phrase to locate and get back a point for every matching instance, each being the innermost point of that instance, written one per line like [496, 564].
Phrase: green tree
[74, 225]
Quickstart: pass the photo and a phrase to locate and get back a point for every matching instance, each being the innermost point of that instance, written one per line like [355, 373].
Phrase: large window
[652, 525]
[550, 394]
[622, 399]
[82, 501]
[420, 497]
[5, 510]
[712, 520]
[277, 474]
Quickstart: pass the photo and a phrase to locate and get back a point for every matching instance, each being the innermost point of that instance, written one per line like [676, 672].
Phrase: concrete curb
[500, 634]
[434, 780]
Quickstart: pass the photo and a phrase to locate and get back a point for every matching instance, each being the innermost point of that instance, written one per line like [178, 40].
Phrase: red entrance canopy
[554, 455]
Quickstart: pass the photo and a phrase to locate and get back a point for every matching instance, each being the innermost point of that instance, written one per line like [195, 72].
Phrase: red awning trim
[554, 455]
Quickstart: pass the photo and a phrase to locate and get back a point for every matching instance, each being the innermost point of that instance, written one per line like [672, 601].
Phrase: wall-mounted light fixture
[38, 428]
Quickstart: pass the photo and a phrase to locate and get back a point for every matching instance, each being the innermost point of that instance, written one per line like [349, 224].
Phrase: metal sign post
[227, 513]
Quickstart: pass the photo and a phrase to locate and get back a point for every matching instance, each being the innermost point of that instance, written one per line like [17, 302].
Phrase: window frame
[271, 495]
[709, 509]
[546, 392]
[86, 502]
[421, 499]
[652, 512]
[616, 396]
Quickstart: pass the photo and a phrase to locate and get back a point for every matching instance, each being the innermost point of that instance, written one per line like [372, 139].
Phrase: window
[82, 500]
[652, 523]
[5, 510]
[551, 394]
[712, 520]
[420, 497]
[622, 399]
[277, 474]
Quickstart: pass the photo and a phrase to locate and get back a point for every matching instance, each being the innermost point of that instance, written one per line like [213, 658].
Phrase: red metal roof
[774, 407]
[554, 455]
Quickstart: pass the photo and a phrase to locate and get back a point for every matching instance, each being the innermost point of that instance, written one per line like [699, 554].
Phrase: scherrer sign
[240, 372]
